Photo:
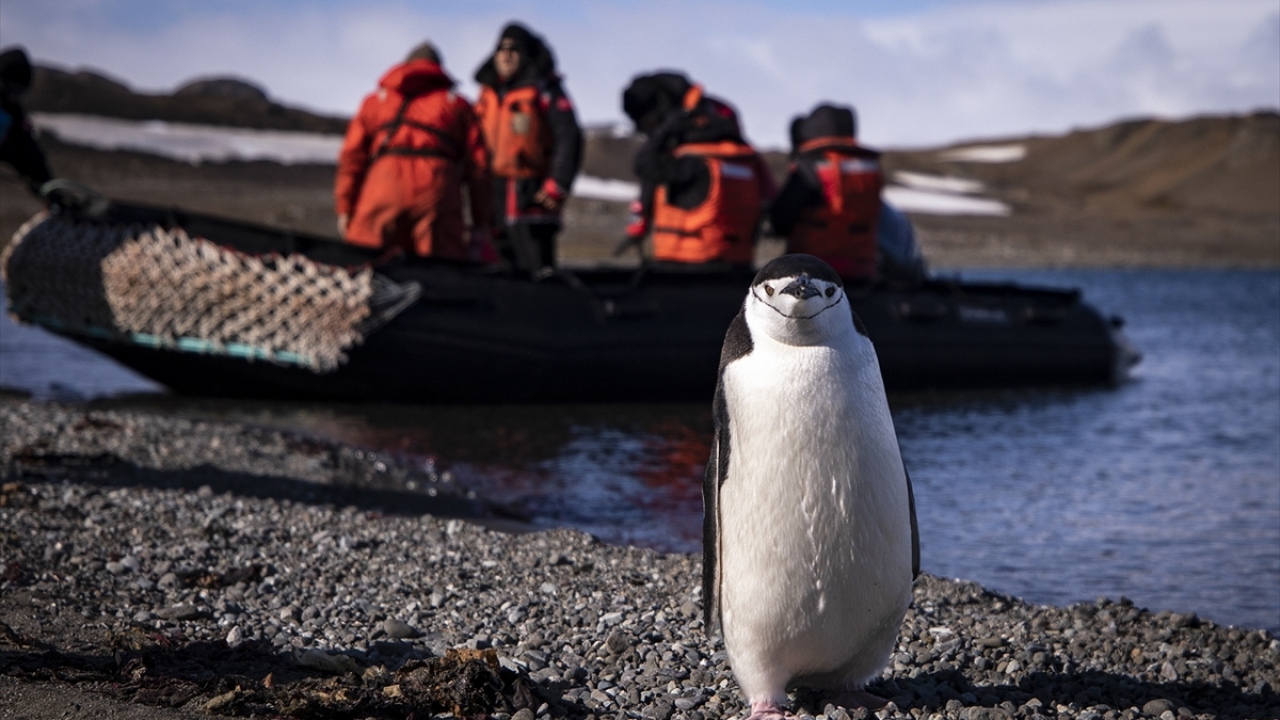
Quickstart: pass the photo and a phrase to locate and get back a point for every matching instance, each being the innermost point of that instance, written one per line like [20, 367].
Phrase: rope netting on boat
[160, 287]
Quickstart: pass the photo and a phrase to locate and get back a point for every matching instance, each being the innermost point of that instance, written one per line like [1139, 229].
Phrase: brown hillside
[1209, 164]
[609, 155]
[207, 101]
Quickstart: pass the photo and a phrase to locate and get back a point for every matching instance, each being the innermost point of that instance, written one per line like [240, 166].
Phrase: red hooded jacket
[406, 156]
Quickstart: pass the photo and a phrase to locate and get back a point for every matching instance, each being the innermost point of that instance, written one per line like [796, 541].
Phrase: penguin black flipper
[712, 479]
[915, 529]
[737, 344]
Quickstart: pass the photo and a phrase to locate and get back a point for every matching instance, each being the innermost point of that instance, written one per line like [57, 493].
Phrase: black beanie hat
[663, 91]
[825, 121]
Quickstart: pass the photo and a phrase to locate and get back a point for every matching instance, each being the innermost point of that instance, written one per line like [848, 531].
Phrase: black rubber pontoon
[604, 335]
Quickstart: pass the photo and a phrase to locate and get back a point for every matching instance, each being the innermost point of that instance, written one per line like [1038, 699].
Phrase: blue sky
[920, 72]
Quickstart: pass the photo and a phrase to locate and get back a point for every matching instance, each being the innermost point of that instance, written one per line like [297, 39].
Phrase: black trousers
[528, 246]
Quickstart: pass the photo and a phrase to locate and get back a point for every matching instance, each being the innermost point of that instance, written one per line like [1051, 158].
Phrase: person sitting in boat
[535, 144]
[898, 256]
[829, 205]
[703, 187]
[404, 161]
[18, 146]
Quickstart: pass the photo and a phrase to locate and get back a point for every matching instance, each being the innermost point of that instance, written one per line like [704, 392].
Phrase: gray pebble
[1158, 707]
[399, 629]
[179, 612]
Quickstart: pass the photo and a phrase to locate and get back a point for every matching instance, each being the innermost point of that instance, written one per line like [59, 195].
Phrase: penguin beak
[802, 288]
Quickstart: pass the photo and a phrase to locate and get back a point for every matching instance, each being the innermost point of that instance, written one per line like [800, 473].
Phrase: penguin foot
[766, 710]
[851, 699]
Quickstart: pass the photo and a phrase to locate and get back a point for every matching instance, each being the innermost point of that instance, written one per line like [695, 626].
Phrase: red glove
[637, 223]
[551, 196]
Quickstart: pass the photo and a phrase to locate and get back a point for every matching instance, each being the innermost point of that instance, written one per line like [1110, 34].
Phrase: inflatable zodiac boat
[213, 307]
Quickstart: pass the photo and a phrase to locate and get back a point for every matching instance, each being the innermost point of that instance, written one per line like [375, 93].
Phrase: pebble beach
[154, 567]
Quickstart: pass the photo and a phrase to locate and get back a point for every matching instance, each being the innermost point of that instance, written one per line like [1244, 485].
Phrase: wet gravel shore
[198, 568]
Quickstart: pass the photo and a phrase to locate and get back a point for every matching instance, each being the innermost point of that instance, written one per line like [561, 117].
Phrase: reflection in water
[1165, 490]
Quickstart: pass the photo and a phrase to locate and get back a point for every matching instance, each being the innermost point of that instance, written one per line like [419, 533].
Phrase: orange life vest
[516, 131]
[842, 231]
[723, 227]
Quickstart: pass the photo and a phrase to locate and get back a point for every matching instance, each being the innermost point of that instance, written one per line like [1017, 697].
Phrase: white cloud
[968, 70]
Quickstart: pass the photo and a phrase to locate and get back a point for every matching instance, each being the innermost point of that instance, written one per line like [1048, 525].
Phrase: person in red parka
[406, 157]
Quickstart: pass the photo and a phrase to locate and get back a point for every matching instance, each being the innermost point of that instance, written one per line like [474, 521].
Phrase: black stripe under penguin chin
[796, 317]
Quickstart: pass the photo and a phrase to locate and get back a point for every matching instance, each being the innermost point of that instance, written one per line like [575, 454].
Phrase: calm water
[1165, 490]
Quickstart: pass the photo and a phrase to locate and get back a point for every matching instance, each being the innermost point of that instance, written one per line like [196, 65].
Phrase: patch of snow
[986, 153]
[614, 129]
[939, 183]
[204, 143]
[208, 143]
[191, 143]
[928, 202]
[595, 188]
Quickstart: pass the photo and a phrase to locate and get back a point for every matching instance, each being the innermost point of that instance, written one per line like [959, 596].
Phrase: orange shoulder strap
[721, 149]
[832, 141]
[692, 97]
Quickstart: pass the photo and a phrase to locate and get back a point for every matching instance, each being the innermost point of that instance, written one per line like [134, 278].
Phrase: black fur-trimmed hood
[538, 63]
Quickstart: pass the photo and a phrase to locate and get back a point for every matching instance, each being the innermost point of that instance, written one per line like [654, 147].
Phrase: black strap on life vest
[677, 231]
[450, 152]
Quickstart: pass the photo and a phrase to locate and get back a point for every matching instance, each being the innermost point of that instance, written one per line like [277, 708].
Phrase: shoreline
[177, 568]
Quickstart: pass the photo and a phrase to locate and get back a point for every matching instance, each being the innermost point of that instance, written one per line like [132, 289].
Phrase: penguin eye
[831, 291]
[768, 291]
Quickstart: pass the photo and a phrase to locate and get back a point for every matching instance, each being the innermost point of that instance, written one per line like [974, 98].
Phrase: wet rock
[399, 629]
[179, 612]
[1158, 707]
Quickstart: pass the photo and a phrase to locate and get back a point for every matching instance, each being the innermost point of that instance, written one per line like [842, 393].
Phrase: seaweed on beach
[251, 680]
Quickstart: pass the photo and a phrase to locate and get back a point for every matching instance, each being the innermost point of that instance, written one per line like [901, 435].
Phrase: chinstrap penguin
[810, 544]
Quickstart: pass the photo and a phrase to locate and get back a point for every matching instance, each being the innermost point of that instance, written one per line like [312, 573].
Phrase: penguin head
[798, 300]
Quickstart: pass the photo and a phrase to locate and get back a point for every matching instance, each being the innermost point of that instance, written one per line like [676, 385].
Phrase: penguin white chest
[814, 510]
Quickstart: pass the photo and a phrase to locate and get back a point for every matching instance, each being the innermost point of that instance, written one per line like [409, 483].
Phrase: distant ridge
[1224, 164]
[1227, 164]
[222, 101]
